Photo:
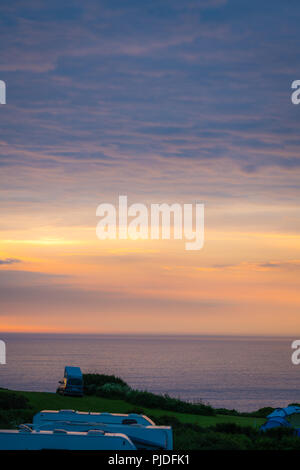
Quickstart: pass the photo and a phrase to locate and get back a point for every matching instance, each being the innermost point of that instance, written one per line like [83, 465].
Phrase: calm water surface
[232, 372]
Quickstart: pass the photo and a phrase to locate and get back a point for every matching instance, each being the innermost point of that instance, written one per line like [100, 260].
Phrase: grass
[191, 431]
[52, 401]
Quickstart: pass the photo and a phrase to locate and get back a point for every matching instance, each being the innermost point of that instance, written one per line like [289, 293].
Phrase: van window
[74, 382]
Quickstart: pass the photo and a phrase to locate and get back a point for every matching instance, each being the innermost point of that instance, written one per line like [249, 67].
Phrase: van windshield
[74, 382]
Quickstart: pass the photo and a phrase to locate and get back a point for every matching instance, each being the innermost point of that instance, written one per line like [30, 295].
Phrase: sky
[162, 101]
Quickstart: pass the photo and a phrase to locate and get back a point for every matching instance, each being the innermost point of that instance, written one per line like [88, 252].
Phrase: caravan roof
[80, 416]
[73, 371]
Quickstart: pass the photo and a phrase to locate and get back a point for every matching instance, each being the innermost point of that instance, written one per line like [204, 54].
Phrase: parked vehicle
[72, 383]
[140, 429]
[59, 439]
[96, 417]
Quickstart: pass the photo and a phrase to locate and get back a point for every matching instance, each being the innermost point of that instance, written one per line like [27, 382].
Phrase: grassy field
[52, 401]
[191, 431]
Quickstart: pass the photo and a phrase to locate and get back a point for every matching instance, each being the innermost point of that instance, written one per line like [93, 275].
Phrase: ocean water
[244, 373]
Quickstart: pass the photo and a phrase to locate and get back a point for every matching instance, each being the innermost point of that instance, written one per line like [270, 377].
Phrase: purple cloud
[9, 261]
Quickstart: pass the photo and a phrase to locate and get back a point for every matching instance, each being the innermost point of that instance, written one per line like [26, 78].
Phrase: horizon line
[70, 333]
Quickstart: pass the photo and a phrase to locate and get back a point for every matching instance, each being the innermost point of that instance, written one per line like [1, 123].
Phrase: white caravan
[140, 429]
[59, 439]
[83, 416]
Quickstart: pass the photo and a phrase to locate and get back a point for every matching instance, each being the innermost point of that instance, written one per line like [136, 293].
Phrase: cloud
[45, 292]
[11, 278]
[290, 265]
[9, 261]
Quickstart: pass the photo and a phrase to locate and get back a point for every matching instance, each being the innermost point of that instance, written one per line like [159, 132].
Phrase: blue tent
[275, 423]
[280, 417]
[283, 412]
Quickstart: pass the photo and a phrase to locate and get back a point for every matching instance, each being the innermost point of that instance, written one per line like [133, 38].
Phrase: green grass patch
[38, 401]
[191, 431]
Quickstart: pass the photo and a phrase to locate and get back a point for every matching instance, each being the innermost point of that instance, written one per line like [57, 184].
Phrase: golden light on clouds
[82, 284]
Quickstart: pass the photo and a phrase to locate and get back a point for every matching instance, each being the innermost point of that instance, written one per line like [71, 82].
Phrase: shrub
[165, 402]
[110, 386]
[4, 420]
[167, 420]
[271, 443]
[279, 432]
[139, 411]
[261, 413]
[224, 411]
[12, 418]
[233, 428]
[93, 381]
[210, 440]
[112, 390]
[10, 401]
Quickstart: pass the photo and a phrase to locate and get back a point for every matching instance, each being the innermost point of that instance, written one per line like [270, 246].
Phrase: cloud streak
[8, 261]
[166, 102]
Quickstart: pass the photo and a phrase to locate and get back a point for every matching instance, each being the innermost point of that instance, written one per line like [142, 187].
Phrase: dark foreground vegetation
[195, 425]
[229, 436]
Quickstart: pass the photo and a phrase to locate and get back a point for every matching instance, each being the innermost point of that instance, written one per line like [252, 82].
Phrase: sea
[244, 373]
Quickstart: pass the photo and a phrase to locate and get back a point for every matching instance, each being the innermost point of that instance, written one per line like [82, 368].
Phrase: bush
[268, 442]
[11, 401]
[204, 439]
[230, 436]
[233, 428]
[4, 420]
[165, 402]
[92, 382]
[110, 386]
[112, 390]
[12, 418]
[224, 411]
[167, 420]
[138, 411]
[279, 432]
[261, 413]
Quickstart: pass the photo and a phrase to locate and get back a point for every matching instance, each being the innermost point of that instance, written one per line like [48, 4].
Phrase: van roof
[73, 371]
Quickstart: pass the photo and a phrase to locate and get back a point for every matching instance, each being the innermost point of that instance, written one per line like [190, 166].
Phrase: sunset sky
[162, 101]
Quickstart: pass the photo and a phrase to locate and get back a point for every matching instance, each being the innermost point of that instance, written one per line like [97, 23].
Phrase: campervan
[59, 439]
[72, 383]
[140, 429]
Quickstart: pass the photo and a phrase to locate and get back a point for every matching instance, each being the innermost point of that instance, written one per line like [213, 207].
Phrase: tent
[286, 417]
